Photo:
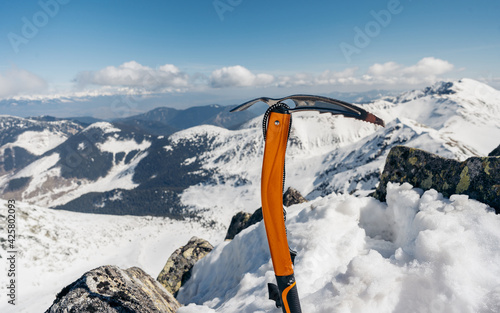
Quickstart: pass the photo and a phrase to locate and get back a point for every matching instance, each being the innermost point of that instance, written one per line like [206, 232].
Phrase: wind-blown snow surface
[56, 247]
[417, 253]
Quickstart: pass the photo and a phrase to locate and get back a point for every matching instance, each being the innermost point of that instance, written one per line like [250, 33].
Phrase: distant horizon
[124, 106]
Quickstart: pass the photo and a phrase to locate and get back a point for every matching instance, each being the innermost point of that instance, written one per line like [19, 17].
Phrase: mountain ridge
[98, 170]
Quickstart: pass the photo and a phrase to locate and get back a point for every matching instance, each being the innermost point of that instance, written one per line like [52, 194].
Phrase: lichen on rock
[477, 177]
[178, 268]
[109, 289]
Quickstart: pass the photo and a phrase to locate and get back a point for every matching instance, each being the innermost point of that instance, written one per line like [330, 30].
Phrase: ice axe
[276, 126]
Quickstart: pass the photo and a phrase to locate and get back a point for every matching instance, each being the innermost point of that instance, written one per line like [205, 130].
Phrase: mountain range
[192, 181]
[114, 167]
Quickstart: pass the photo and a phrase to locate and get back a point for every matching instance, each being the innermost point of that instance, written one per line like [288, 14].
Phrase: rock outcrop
[292, 196]
[477, 177]
[111, 289]
[243, 220]
[178, 268]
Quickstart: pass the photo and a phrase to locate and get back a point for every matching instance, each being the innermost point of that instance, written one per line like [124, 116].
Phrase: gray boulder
[111, 289]
[178, 268]
[477, 177]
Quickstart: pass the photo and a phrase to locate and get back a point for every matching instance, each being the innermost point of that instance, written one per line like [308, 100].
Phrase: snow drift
[419, 252]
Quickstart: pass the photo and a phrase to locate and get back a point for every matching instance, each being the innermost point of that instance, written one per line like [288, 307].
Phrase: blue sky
[189, 52]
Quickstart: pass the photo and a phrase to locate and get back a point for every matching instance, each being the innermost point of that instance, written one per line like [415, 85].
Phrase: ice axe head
[320, 104]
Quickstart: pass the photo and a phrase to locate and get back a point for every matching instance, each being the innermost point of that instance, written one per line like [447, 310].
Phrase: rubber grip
[289, 295]
[291, 301]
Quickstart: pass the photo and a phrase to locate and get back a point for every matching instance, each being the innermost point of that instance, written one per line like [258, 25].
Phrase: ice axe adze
[276, 127]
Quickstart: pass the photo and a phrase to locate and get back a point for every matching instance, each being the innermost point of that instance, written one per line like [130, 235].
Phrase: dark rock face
[292, 196]
[111, 289]
[243, 220]
[495, 152]
[178, 268]
[238, 223]
[479, 178]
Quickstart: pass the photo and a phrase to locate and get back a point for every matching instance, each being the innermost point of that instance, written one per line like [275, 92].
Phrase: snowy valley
[419, 252]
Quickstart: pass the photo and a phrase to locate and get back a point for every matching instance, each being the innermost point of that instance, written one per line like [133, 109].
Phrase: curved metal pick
[320, 104]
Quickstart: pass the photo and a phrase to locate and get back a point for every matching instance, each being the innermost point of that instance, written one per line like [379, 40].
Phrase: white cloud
[133, 78]
[385, 75]
[138, 78]
[429, 67]
[386, 69]
[133, 74]
[19, 82]
[427, 70]
[238, 76]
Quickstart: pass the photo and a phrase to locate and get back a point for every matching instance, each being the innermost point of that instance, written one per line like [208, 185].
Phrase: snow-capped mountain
[329, 154]
[165, 121]
[23, 140]
[92, 155]
[111, 168]
[465, 113]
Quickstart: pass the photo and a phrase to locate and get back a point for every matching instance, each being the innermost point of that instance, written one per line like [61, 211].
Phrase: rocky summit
[111, 289]
[477, 177]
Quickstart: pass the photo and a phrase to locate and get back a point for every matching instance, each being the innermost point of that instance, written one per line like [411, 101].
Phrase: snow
[113, 145]
[81, 146]
[120, 176]
[325, 154]
[419, 252]
[40, 171]
[38, 143]
[57, 247]
[334, 154]
[468, 115]
[48, 188]
[106, 127]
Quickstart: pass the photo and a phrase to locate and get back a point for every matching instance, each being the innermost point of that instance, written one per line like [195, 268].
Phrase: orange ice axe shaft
[285, 293]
